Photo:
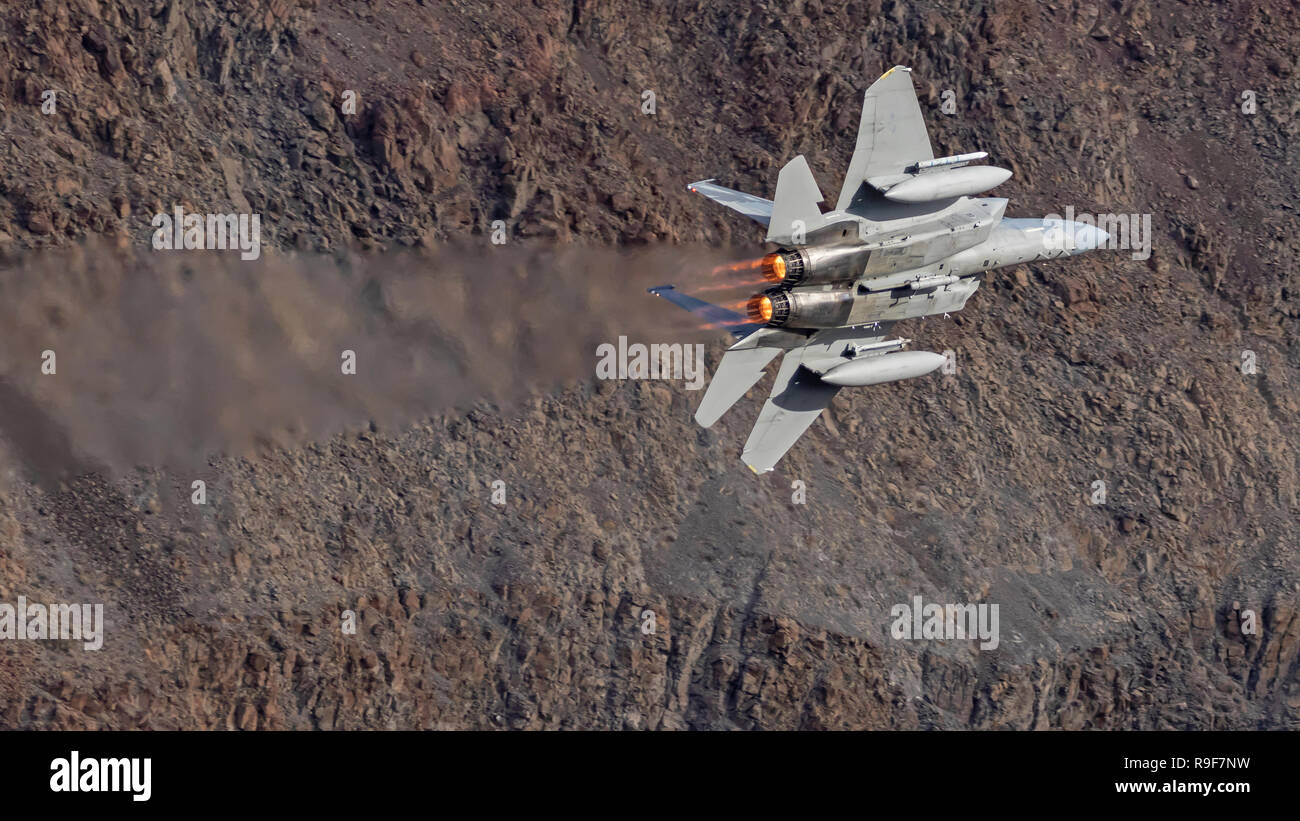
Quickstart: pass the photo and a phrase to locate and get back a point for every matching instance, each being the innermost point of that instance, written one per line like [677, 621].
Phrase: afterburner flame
[748, 285]
[759, 308]
[743, 265]
[774, 267]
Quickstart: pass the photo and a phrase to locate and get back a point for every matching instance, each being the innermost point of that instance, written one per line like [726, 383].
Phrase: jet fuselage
[856, 271]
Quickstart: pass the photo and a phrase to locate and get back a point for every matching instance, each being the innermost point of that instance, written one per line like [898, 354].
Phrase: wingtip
[655, 290]
[755, 470]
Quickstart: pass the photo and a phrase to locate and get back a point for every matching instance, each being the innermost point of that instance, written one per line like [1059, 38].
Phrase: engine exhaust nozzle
[774, 268]
[759, 308]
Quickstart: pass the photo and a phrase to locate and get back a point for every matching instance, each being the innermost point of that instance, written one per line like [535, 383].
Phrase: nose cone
[1072, 237]
[1088, 238]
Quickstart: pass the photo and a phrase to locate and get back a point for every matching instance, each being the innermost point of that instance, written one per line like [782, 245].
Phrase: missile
[921, 283]
[956, 182]
[883, 346]
[874, 370]
[956, 159]
[915, 280]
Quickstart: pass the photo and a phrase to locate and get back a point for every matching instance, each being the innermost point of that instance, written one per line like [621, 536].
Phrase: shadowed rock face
[374, 495]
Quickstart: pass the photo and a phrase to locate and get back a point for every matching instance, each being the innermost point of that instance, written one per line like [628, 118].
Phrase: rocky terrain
[374, 496]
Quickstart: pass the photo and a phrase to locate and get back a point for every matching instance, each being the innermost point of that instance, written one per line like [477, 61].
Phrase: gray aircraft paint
[911, 242]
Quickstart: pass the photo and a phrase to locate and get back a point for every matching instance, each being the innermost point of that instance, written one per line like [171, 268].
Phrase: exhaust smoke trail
[163, 359]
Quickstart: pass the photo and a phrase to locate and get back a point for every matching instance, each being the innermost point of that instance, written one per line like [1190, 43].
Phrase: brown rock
[40, 223]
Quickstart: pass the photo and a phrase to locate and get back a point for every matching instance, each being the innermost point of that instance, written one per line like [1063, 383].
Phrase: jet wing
[891, 134]
[797, 399]
[799, 395]
[756, 208]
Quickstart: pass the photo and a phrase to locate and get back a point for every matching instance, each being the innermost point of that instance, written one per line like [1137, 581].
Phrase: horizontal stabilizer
[725, 318]
[736, 374]
[756, 208]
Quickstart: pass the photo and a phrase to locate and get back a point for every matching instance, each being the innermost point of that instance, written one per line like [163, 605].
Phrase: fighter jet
[907, 238]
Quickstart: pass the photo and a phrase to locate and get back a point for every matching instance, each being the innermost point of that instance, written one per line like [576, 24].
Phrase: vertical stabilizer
[794, 208]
